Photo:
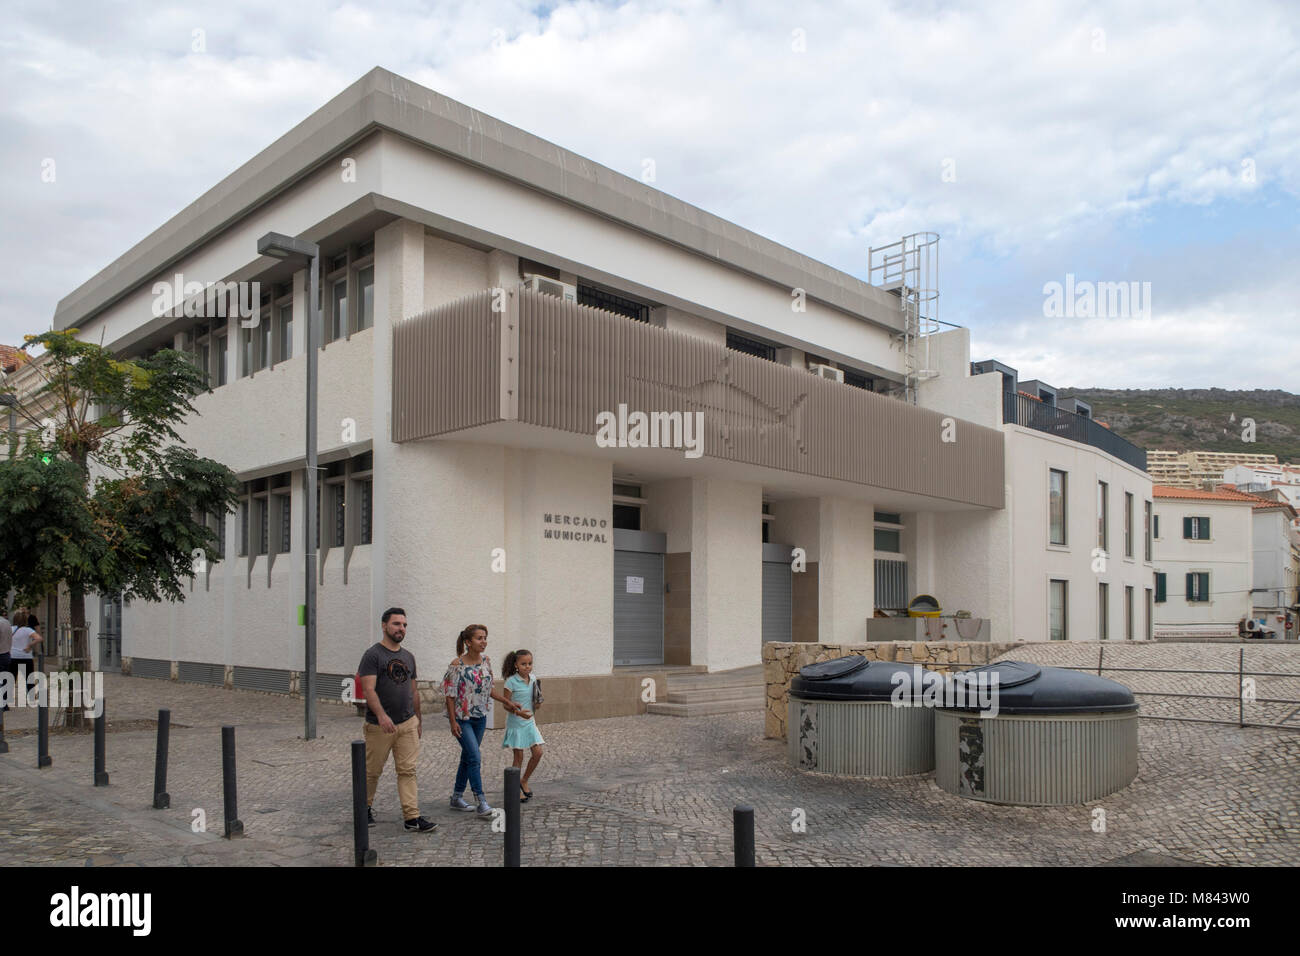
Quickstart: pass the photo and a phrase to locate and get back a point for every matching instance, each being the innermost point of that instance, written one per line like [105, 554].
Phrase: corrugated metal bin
[1042, 736]
[860, 718]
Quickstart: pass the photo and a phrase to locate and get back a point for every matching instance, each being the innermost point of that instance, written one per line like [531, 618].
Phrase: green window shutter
[1160, 589]
[1187, 527]
[1205, 528]
[1204, 589]
[1190, 595]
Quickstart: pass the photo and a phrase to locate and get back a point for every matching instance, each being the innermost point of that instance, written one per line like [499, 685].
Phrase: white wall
[726, 573]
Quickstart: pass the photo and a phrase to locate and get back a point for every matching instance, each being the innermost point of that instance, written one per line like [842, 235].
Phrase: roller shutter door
[638, 617]
[777, 601]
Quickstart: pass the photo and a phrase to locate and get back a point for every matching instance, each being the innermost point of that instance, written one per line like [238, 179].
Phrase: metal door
[638, 608]
[110, 634]
[778, 604]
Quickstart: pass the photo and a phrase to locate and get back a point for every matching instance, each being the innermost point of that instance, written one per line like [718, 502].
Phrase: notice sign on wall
[635, 585]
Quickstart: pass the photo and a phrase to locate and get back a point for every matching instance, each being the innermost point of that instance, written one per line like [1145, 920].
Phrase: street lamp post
[286, 247]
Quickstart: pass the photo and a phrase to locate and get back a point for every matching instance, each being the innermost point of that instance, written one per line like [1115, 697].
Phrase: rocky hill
[1204, 419]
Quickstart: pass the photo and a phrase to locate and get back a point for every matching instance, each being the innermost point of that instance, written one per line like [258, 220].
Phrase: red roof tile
[1196, 494]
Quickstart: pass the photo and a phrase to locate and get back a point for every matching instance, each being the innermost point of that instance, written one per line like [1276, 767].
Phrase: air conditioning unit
[561, 290]
[827, 371]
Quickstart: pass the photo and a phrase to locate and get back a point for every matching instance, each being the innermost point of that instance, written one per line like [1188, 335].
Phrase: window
[1056, 506]
[1146, 530]
[858, 380]
[627, 506]
[1128, 613]
[1198, 587]
[1128, 525]
[217, 522]
[1103, 516]
[1196, 529]
[365, 298]
[286, 333]
[281, 491]
[1161, 590]
[1057, 608]
[340, 515]
[743, 343]
[367, 492]
[889, 540]
[1150, 618]
[245, 352]
[223, 359]
[1103, 612]
[619, 305]
[1155, 526]
[243, 524]
[339, 310]
[264, 341]
[888, 517]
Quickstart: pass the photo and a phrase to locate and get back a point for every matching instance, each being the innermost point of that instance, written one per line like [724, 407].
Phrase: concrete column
[502, 270]
[846, 569]
[726, 573]
[399, 292]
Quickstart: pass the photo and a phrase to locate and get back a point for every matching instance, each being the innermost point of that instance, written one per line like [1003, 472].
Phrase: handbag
[537, 693]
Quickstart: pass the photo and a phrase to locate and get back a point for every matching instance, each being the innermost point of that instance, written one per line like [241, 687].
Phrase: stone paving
[645, 790]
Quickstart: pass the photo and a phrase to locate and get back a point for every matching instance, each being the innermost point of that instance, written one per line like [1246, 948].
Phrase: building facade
[615, 429]
[1203, 562]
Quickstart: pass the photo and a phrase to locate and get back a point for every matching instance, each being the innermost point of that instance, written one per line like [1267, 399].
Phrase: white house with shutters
[1202, 549]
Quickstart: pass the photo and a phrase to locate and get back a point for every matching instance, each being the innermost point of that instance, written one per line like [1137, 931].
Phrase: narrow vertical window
[1056, 506]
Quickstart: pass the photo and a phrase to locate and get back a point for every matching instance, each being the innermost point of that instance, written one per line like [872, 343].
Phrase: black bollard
[360, 821]
[161, 798]
[101, 747]
[743, 824]
[230, 806]
[512, 816]
[4, 744]
[43, 758]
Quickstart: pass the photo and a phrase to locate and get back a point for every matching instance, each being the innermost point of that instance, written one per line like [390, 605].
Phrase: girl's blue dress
[521, 734]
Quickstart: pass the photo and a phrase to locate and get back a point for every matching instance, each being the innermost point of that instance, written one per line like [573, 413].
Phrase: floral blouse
[470, 686]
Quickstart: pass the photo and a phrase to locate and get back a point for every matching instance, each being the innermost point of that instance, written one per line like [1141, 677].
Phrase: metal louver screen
[778, 605]
[638, 614]
[195, 673]
[891, 584]
[330, 686]
[151, 667]
[261, 678]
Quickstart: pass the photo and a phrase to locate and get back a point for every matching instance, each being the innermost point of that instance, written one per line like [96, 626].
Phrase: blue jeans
[471, 736]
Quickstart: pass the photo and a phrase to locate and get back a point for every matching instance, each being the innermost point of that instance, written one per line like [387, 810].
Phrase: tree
[104, 497]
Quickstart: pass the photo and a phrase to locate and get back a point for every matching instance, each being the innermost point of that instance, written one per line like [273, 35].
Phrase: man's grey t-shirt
[394, 673]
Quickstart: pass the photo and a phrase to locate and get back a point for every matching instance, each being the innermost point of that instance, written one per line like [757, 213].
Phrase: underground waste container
[845, 717]
[1040, 736]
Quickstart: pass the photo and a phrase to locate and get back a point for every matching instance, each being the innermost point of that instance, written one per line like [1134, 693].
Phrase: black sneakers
[420, 825]
[370, 816]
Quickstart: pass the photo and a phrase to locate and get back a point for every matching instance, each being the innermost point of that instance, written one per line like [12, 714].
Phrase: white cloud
[827, 150]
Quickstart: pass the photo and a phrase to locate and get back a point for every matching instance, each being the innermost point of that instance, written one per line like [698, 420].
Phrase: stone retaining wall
[781, 662]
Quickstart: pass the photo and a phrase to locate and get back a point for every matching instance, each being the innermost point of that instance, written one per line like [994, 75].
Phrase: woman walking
[467, 687]
[521, 730]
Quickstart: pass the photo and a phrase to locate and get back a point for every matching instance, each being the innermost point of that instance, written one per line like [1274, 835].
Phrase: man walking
[392, 718]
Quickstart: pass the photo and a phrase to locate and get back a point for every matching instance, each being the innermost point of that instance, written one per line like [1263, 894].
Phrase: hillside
[1206, 419]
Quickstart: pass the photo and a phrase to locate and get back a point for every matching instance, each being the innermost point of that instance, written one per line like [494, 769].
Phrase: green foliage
[115, 503]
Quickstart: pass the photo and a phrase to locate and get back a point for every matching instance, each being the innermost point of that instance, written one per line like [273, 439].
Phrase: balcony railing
[1020, 410]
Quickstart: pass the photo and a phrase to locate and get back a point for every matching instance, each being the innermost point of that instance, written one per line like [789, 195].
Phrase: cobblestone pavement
[646, 790]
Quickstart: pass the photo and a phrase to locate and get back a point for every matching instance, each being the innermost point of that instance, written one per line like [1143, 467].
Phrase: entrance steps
[701, 695]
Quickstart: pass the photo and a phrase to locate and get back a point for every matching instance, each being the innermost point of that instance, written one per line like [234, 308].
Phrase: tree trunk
[74, 717]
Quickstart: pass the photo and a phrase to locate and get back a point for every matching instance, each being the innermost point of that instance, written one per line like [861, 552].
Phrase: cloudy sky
[1113, 142]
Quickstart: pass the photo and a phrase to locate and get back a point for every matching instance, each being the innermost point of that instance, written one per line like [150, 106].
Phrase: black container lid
[856, 678]
[1025, 688]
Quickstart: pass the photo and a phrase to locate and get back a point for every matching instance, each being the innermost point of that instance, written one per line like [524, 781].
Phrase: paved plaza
[647, 790]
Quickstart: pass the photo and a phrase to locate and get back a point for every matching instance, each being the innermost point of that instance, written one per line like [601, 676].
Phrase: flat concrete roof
[384, 100]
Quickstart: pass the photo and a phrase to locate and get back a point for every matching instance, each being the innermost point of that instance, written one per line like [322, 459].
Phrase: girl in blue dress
[521, 729]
